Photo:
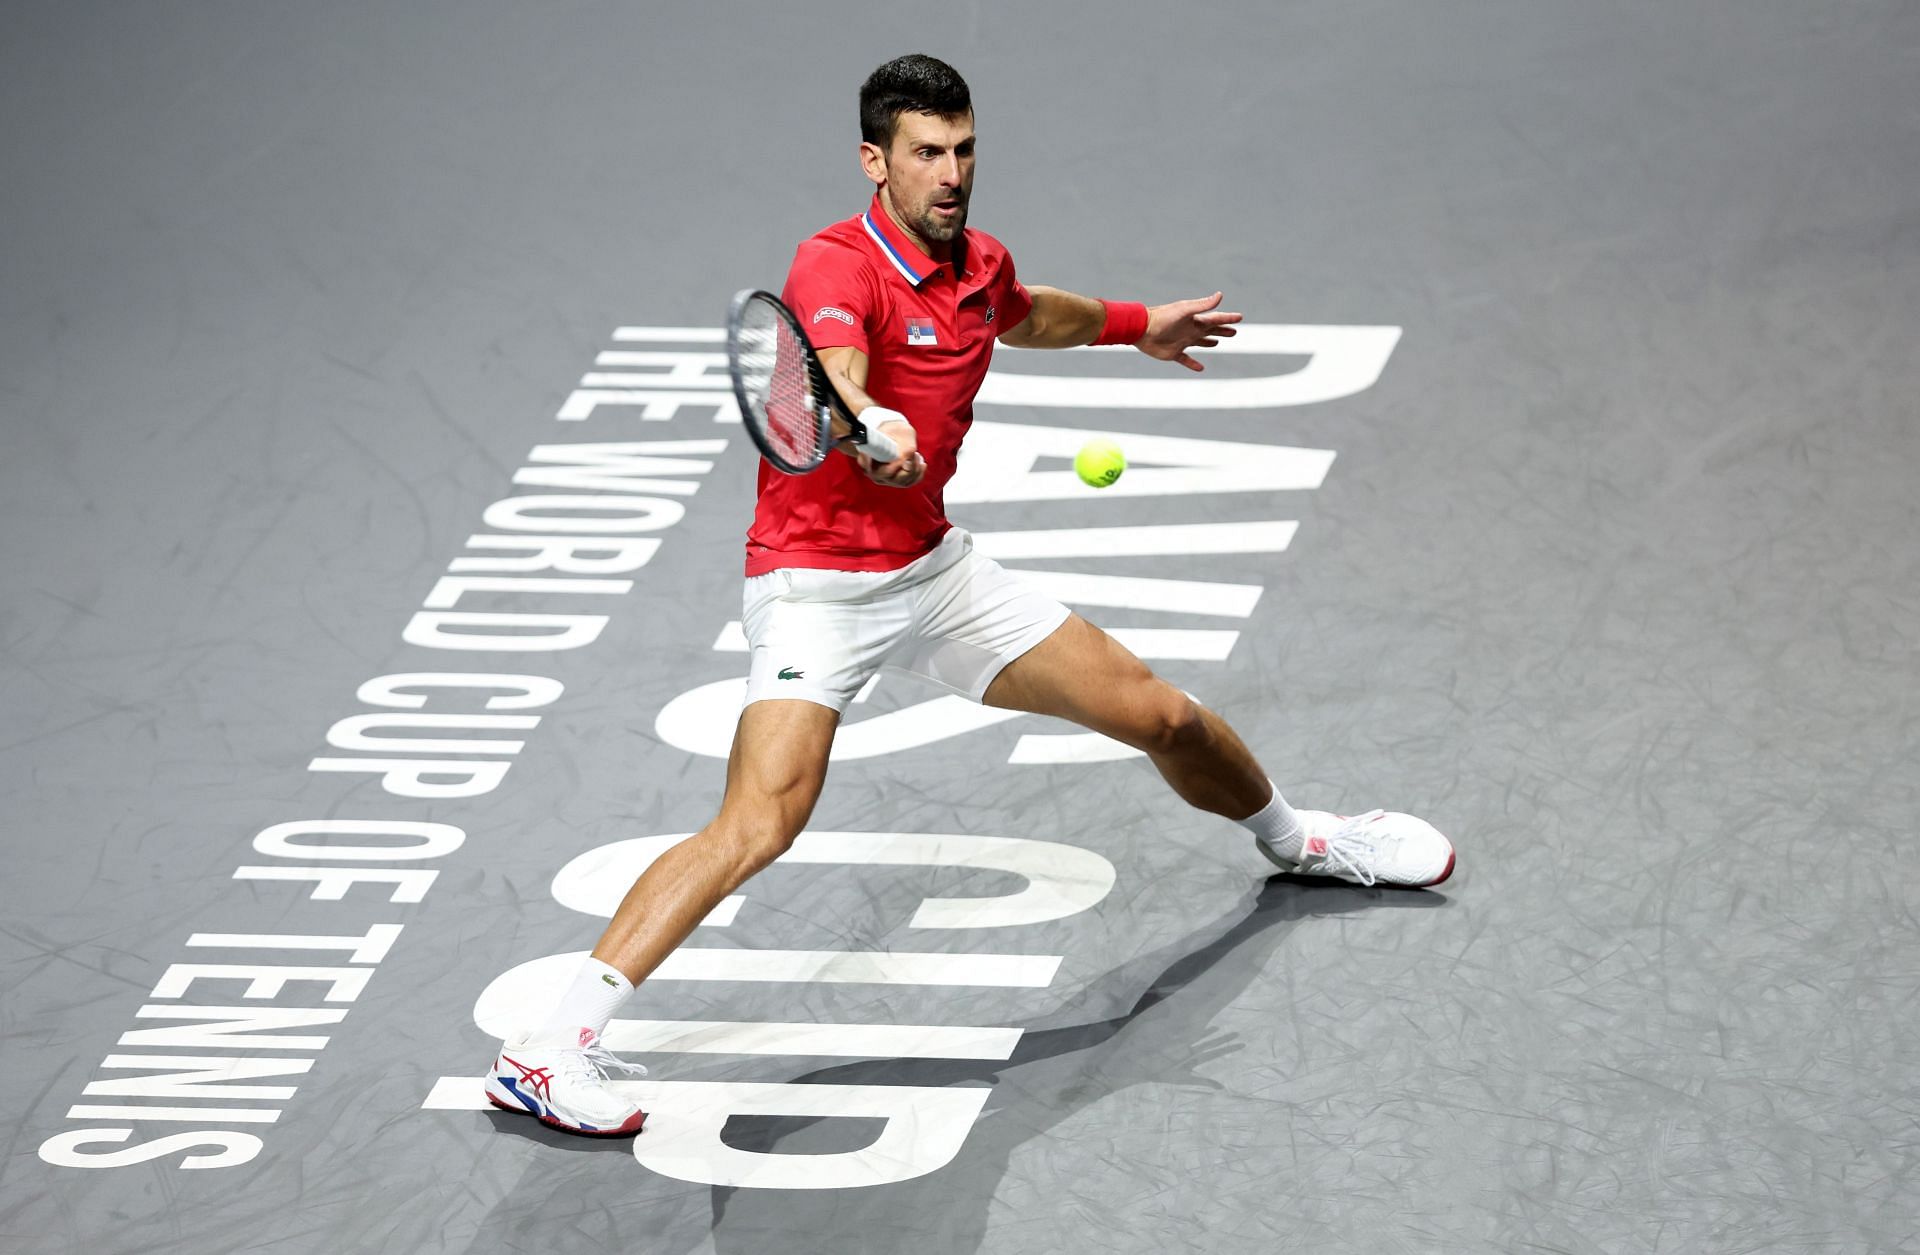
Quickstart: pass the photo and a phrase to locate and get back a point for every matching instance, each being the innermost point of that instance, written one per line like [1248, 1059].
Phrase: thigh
[778, 765]
[1082, 674]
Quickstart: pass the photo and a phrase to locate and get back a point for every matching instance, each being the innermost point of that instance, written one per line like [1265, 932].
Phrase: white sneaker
[564, 1087]
[1377, 848]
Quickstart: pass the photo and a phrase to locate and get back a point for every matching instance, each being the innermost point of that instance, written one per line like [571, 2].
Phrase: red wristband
[1126, 323]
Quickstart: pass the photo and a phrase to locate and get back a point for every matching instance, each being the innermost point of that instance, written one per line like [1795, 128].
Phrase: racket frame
[838, 424]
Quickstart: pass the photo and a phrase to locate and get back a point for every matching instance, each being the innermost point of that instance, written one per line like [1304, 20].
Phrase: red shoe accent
[537, 1078]
[1444, 872]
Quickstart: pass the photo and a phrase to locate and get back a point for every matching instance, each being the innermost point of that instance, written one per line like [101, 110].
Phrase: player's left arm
[1064, 320]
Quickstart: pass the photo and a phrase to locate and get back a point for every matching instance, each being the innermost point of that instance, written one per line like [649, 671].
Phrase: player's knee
[1174, 724]
[752, 842]
[769, 844]
[762, 815]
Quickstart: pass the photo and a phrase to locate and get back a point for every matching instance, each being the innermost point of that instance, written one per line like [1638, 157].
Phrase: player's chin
[944, 228]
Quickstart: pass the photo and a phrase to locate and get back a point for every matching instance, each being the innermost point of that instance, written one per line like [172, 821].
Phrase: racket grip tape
[878, 445]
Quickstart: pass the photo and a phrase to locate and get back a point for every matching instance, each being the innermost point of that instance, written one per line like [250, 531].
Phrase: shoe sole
[629, 1129]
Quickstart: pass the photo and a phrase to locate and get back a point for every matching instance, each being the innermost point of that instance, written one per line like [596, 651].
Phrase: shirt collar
[902, 253]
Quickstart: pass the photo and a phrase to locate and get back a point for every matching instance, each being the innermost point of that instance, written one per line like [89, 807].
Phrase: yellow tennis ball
[1099, 463]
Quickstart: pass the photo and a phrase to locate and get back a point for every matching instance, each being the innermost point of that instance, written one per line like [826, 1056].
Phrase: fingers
[1200, 322]
[1197, 323]
[904, 473]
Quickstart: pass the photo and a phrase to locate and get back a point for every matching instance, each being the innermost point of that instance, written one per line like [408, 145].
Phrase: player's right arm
[846, 369]
[830, 289]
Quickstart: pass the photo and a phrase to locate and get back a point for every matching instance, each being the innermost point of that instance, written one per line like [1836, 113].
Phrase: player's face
[929, 174]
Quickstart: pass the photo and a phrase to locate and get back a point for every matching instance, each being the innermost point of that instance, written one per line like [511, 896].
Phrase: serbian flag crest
[920, 331]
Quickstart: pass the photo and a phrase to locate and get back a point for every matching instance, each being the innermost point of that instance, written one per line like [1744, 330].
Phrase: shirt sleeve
[1012, 300]
[830, 293]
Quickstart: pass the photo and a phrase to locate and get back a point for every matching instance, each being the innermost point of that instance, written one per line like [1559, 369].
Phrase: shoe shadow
[1056, 1071]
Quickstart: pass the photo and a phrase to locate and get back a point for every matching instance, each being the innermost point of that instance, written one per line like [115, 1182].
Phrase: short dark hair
[915, 83]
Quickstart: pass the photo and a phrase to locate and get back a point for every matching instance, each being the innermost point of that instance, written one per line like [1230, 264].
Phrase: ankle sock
[1278, 825]
[597, 991]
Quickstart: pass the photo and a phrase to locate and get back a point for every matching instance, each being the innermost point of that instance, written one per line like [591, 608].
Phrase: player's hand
[1174, 328]
[904, 471]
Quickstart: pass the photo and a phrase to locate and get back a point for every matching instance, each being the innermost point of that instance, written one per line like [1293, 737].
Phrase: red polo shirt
[927, 329]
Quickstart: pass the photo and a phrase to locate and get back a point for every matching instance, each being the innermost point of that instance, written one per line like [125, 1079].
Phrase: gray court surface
[1613, 576]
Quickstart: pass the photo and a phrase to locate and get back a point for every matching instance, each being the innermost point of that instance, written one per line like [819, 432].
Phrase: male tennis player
[855, 565]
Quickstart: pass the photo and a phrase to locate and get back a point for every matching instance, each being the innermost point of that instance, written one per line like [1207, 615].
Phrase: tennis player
[855, 566]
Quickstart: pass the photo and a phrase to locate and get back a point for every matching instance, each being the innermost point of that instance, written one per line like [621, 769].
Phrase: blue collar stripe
[893, 255]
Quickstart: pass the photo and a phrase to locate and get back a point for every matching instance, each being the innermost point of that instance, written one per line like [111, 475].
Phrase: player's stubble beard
[930, 226]
[942, 230]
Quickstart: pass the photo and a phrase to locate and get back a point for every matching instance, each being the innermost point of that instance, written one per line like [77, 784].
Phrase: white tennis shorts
[953, 617]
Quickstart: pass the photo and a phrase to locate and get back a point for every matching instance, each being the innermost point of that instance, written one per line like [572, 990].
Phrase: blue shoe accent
[530, 1103]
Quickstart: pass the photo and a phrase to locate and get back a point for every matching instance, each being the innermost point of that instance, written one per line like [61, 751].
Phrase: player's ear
[873, 162]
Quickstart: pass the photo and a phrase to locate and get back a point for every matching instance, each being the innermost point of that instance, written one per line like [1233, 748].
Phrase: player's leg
[814, 639]
[992, 636]
[1082, 674]
[556, 1071]
[987, 633]
[774, 774]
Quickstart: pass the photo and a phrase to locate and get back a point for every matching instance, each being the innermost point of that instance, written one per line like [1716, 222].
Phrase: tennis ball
[1099, 463]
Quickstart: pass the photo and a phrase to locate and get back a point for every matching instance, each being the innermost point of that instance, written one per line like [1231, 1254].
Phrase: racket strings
[783, 391]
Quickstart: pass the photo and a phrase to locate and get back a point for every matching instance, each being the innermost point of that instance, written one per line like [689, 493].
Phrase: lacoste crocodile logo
[788, 673]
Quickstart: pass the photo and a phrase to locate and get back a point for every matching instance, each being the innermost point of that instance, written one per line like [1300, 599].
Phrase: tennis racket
[786, 403]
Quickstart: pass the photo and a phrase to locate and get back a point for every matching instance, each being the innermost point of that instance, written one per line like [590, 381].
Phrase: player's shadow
[1053, 1074]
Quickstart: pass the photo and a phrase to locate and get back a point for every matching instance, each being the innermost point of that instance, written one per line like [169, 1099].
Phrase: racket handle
[878, 445]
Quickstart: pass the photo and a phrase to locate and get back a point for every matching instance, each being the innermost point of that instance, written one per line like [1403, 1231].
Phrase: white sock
[598, 990]
[1278, 826]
